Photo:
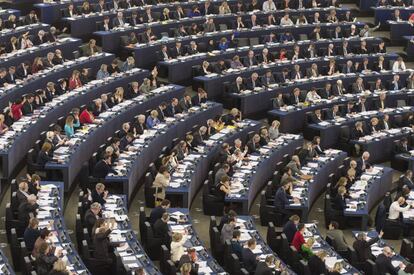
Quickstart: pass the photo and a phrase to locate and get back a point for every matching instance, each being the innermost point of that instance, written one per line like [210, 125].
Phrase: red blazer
[74, 83]
[85, 117]
[298, 240]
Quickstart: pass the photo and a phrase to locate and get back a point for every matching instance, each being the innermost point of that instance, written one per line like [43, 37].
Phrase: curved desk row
[181, 69]
[333, 257]
[86, 141]
[129, 252]
[366, 192]
[110, 39]
[32, 29]
[289, 115]
[180, 221]
[4, 14]
[52, 12]
[380, 145]
[320, 169]
[329, 130]
[39, 80]
[398, 30]
[50, 215]
[66, 45]
[213, 83]
[23, 134]
[133, 165]
[189, 177]
[376, 248]
[249, 231]
[261, 99]
[149, 51]
[251, 176]
[384, 14]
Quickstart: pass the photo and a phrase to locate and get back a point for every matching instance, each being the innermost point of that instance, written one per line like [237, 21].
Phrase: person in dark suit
[237, 87]
[385, 123]
[362, 105]
[333, 113]
[250, 59]
[99, 194]
[249, 258]
[220, 67]
[191, 258]
[296, 73]
[254, 144]
[91, 216]
[27, 210]
[283, 77]
[402, 146]
[119, 20]
[316, 117]
[362, 247]
[23, 192]
[358, 86]
[316, 263]
[282, 198]
[161, 229]
[102, 244]
[395, 84]
[381, 102]
[46, 259]
[338, 201]
[383, 262]
[23, 70]
[158, 211]
[295, 98]
[101, 6]
[200, 98]
[31, 234]
[235, 245]
[103, 168]
[106, 24]
[268, 79]
[358, 131]
[11, 75]
[45, 154]
[278, 101]
[362, 163]
[28, 107]
[253, 82]
[266, 267]
[70, 11]
[172, 108]
[290, 227]
[344, 49]
[177, 51]
[407, 180]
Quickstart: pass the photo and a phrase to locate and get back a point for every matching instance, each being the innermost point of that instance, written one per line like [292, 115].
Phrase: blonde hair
[59, 265]
[177, 236]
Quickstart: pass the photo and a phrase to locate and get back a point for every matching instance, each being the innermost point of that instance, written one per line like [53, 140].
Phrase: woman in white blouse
[399, 65]
[177, 246]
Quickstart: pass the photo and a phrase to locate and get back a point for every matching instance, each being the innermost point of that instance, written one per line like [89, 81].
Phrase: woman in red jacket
[86, 117]
[298, 238]
[16, 109]
[74, 80]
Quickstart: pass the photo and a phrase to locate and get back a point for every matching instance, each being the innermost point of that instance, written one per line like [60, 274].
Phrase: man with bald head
[384, 264]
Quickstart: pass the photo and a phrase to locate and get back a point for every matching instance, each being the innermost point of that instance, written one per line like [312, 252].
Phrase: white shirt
[177, 250]
[312, 96]
[397, 67]
[395, 210]
[286, 22]
[269, 6]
